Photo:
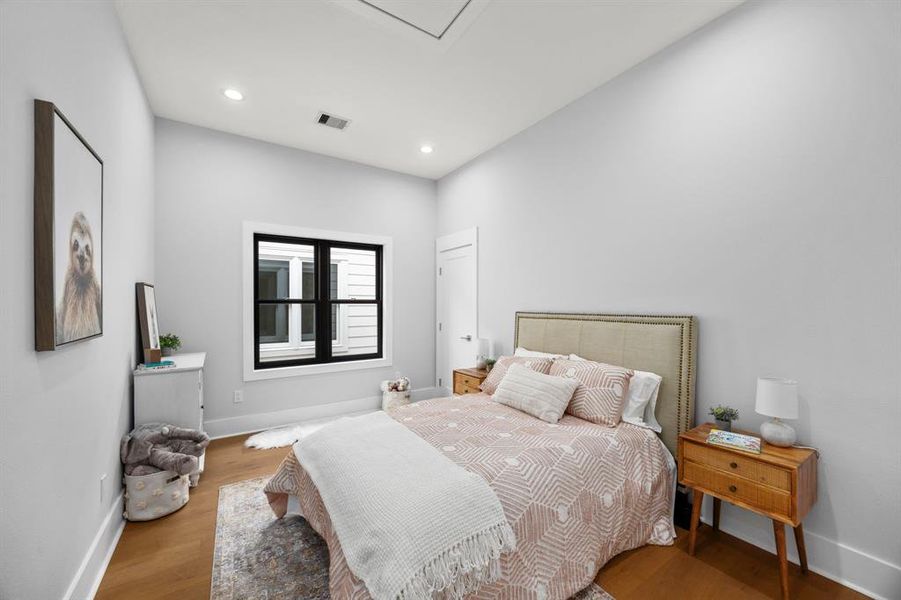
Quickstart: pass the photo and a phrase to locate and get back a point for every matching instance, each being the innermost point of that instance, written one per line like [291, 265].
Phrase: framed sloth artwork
[68, 232]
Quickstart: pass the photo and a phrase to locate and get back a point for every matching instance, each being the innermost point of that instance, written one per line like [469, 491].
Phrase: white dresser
[172, 395]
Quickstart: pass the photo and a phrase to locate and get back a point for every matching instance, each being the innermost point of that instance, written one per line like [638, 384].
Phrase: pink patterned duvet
[575, 493]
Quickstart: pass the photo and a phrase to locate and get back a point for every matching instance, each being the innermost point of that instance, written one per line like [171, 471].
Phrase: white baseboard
[93, 566]
[229, 426]
[848, 566]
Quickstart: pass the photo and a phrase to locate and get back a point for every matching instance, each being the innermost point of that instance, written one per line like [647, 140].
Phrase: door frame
[467, 237]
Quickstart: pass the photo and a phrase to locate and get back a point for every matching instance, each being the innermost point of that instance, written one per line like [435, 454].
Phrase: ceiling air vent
[333, 121]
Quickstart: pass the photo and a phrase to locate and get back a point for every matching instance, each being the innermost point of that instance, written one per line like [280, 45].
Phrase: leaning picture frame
[148, 319]
[68, 232]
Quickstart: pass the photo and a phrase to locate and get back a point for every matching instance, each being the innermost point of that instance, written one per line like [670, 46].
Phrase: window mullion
[323, 309]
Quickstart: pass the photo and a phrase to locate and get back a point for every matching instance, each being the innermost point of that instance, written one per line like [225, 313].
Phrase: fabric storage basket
[149, 497]
[394, 399]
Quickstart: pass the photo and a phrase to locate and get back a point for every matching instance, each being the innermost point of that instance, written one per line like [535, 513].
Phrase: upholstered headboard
[666, 345]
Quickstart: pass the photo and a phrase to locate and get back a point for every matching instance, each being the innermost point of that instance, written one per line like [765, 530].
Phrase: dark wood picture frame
[145, 314]
[46, 335]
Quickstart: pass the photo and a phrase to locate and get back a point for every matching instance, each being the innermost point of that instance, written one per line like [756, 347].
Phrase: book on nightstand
[166, 364]
[738, 441]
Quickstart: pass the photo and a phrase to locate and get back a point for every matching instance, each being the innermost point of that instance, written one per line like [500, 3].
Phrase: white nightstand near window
[314, 301]
[173, 395]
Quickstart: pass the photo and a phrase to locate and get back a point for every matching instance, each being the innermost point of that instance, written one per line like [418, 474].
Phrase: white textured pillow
[525, 353]
[641, 401]
[542, 396]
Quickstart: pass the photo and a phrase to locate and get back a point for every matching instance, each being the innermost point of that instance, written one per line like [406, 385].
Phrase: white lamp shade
[486, 347]
[777, 398]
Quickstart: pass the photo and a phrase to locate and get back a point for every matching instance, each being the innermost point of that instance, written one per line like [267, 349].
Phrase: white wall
[62, 413]
[209, 183]
[748, 175]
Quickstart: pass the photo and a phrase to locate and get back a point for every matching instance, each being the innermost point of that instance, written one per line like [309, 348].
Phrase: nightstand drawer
[465, 389]
[732, 487]
[735, 464]
[461, 380]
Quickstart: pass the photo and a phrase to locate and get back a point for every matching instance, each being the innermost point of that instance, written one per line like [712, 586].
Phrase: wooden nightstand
[779, 483]
[467, 381]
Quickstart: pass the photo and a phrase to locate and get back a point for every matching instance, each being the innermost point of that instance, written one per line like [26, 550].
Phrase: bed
[575, 493]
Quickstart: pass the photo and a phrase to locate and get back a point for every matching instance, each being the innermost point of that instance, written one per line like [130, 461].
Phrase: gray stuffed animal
[156, 447]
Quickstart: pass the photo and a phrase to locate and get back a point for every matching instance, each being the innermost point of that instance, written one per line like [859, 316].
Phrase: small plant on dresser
[170, 343]
[724, 415]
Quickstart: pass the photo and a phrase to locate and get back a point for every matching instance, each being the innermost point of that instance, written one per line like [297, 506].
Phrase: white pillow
[524, 353]
[641, 400]
[542, 396]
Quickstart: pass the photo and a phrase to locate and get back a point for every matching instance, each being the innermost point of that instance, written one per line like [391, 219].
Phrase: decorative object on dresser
[777, 398]
[779, 483]
[148, 322]
[173, 395]
[467, 381]
[724, 415]
[68, 232]
[170, 344]
[736, 441]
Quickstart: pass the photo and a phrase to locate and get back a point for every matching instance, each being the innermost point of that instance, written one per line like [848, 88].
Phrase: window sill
[303, 370]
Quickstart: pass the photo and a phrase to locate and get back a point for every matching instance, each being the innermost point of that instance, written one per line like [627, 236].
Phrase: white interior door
[457, 304]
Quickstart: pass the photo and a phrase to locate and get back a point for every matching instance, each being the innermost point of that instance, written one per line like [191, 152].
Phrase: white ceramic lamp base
[778, 433]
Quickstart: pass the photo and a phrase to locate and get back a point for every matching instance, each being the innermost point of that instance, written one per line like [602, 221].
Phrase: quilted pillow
[641, 399]
[542, 365]
[602, 391]
[542, 396]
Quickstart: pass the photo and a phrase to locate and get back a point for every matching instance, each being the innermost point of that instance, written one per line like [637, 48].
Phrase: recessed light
[426, 149]
[233, 94]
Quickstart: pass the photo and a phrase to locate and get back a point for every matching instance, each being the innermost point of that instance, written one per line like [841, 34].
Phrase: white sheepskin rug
[287, 435]
[277, 438]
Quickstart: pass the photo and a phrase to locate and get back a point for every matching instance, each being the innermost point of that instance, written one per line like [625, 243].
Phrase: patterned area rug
[258, 557]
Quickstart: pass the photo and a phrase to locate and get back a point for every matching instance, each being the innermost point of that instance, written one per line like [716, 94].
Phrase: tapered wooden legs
[779, 531]
[802, 550]
[716, 513]
[695, 517]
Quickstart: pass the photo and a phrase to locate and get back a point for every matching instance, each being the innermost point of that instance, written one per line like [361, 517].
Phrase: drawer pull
[733, 489]
[734, 465]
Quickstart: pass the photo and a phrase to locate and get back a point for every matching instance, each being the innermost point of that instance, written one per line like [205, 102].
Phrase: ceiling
[459, 75]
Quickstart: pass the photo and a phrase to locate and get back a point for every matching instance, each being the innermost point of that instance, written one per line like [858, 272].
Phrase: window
[315, 301]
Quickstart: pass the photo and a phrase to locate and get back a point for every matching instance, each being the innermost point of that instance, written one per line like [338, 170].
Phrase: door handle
[466, 337]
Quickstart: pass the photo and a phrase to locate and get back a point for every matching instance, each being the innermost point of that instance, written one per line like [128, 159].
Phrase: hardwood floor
[173, 557]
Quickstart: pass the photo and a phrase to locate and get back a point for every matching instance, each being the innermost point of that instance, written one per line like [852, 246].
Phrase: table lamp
[485, 351]
[777, 398]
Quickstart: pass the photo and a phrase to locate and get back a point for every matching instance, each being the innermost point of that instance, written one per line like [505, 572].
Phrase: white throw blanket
[410, 521]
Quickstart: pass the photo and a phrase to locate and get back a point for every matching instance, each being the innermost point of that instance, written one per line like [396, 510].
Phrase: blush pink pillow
[602, 390]
[541, 365]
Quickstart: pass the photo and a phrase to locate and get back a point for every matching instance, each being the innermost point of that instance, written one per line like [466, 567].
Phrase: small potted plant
[169, 344]
[489, 364]
[724, 416]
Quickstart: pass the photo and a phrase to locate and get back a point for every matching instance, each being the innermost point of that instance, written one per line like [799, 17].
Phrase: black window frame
[322, 301]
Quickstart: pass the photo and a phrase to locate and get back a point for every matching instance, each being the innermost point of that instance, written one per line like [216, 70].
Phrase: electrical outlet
[103, 484]
[239, 396]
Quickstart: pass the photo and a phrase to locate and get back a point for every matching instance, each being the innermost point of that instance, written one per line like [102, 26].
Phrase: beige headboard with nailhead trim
[666, 345]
